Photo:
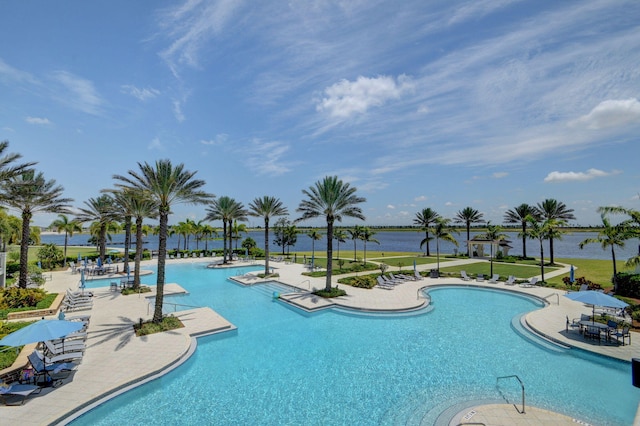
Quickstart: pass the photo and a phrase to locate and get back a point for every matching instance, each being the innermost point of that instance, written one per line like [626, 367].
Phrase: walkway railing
[514, 376]
[175, 306]
[553, 294]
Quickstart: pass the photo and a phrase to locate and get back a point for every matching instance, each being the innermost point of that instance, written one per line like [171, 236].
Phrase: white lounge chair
[511, 280]
[464, 276]
[494, 279]
[531, 283]
[480, 277]
[384, 284]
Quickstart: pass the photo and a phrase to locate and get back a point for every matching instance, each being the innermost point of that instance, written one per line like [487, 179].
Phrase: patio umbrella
[99, 262]
[596, 298]
[82, 280]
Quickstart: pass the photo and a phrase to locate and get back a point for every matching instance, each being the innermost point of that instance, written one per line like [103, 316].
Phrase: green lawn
[504, 269]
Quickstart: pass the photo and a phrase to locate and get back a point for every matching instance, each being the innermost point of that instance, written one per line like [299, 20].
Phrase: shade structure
[41, 331]
[596, 298]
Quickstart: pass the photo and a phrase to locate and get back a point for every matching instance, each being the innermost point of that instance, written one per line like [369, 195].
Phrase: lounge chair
[68, 306]
[399, 278]
[464, 276]
[417, 275]
[383, 284]
[494, 279]
[50, 371]
[480, 277]
[531, 283]
[511, 280]
[584, 287]
[18, 390]
[392, 280]
[65, 347]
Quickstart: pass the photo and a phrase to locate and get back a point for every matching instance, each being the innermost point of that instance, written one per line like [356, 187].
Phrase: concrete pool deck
[116, 359]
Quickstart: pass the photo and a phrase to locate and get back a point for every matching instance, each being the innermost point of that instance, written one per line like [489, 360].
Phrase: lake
[390, 241]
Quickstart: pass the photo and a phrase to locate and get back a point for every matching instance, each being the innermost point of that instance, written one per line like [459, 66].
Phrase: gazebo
[477, 247]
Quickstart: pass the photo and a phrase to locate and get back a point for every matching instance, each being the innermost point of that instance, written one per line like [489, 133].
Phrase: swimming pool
[286, 367]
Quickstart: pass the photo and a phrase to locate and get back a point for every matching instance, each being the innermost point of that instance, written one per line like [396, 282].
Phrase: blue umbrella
[41, 331]
[109, 260]
[572, 277]
[82, 280]
[99, 262]
[39, 264]
[596, 298]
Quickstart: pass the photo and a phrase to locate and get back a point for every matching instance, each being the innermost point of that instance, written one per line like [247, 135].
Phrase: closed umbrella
[99, 262]
[82, 280]
[596, 298]
[572, 277]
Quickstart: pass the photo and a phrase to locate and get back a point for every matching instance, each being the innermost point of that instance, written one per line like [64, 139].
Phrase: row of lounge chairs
[496, 277]
[77, 301]
[390, 281]
[49, 365]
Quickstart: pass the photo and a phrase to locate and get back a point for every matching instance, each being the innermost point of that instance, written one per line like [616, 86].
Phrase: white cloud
[448, 203]
[219, 139]
[391, 206]
[80, 93]
[346, 98]
[420, 198]
[9, 73]
[177, 111]
[37, 120]
[500, 175]
[140, 94]
[155, 144]
[267, 157]
[611, 113]
[577, 176]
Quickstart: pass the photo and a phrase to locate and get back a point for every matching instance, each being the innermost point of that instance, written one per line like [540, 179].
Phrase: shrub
[50, 255]
[141, 289]
[149, 327]
[628, 284]
[364, 281]
[335, 292]
[16, 297]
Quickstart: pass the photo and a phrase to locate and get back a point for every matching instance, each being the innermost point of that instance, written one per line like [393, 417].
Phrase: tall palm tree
[560, 213]
[266, 208]
[315, 235]
[30, 193]
[8, 169]
[355, 235]
[166, 185]
[541, 230]
[340, 236]
[468, 216]
[519, 215]
[226, 209]
[495, 235]
[611, 236]
[62, 223]
[423, 219]
[141, 206]
[332, 199]
[441, 230]
[101, 210]
[123, 200]
[367, 237]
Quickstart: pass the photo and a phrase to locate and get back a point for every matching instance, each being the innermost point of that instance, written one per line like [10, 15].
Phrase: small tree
[49, 256]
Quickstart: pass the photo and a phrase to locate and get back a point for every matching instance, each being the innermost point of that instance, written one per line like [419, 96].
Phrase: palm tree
[315, 236]
[611, 236]
[141, 207]
[441, 230]
[494, 235]
[468, 216]
[226, 209]
[123, 201]
[519, 215]
[340, 236]
[332, 199]
[30, 193]
[423, 219]
[633, 222]
[366, 237]
[207, 231]
[267, 207]
[540, 229]
[62, 223]
[236, 229]
[165, 185]
[558, 211]
[102, 210]
[355, 235]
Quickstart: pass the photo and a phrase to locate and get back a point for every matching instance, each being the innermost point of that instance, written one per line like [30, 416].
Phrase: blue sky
[441, 104]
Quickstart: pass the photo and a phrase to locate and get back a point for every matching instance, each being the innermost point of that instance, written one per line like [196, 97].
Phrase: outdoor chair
[573, 325]
[494, 279]
[49, 371]
[624, 333]
[480, 277]
[21, 392]
[464, 276]
[511, 280]
[592, 332]
[417, 275]
[383, 284]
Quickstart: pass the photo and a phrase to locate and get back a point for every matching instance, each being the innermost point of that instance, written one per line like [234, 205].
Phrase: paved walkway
[115, 359]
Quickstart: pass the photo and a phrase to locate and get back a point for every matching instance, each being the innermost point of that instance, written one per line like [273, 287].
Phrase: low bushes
[364, 281]
[335, 292]
[143, 328]
[628, 285]
[16, 299]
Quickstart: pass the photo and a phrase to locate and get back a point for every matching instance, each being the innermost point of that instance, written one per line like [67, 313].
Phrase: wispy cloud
[155, 145]
[500, 175]
[268, 157]
[346, 98]
[142, 94]
[476, 9]
[13, 75]
[578, 176]
[219, 139]
[78, 93]
[37, 120]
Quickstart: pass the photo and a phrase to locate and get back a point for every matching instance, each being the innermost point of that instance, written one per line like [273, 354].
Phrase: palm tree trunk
[468, 238]
[329, 254]
[138, 257]
[162, 252]
[224, 241]
[524, 240]
[66, 234]
[24, 249]
[551, 250]
[102, 241]
[426, 239]
[615, 273]
[230, 242]
[266, 246]
[541, 261]
[127, 240]
[355, 250]
[438, 254]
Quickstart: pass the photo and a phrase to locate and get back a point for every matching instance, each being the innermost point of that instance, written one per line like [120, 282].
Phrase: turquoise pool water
[285, 367]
